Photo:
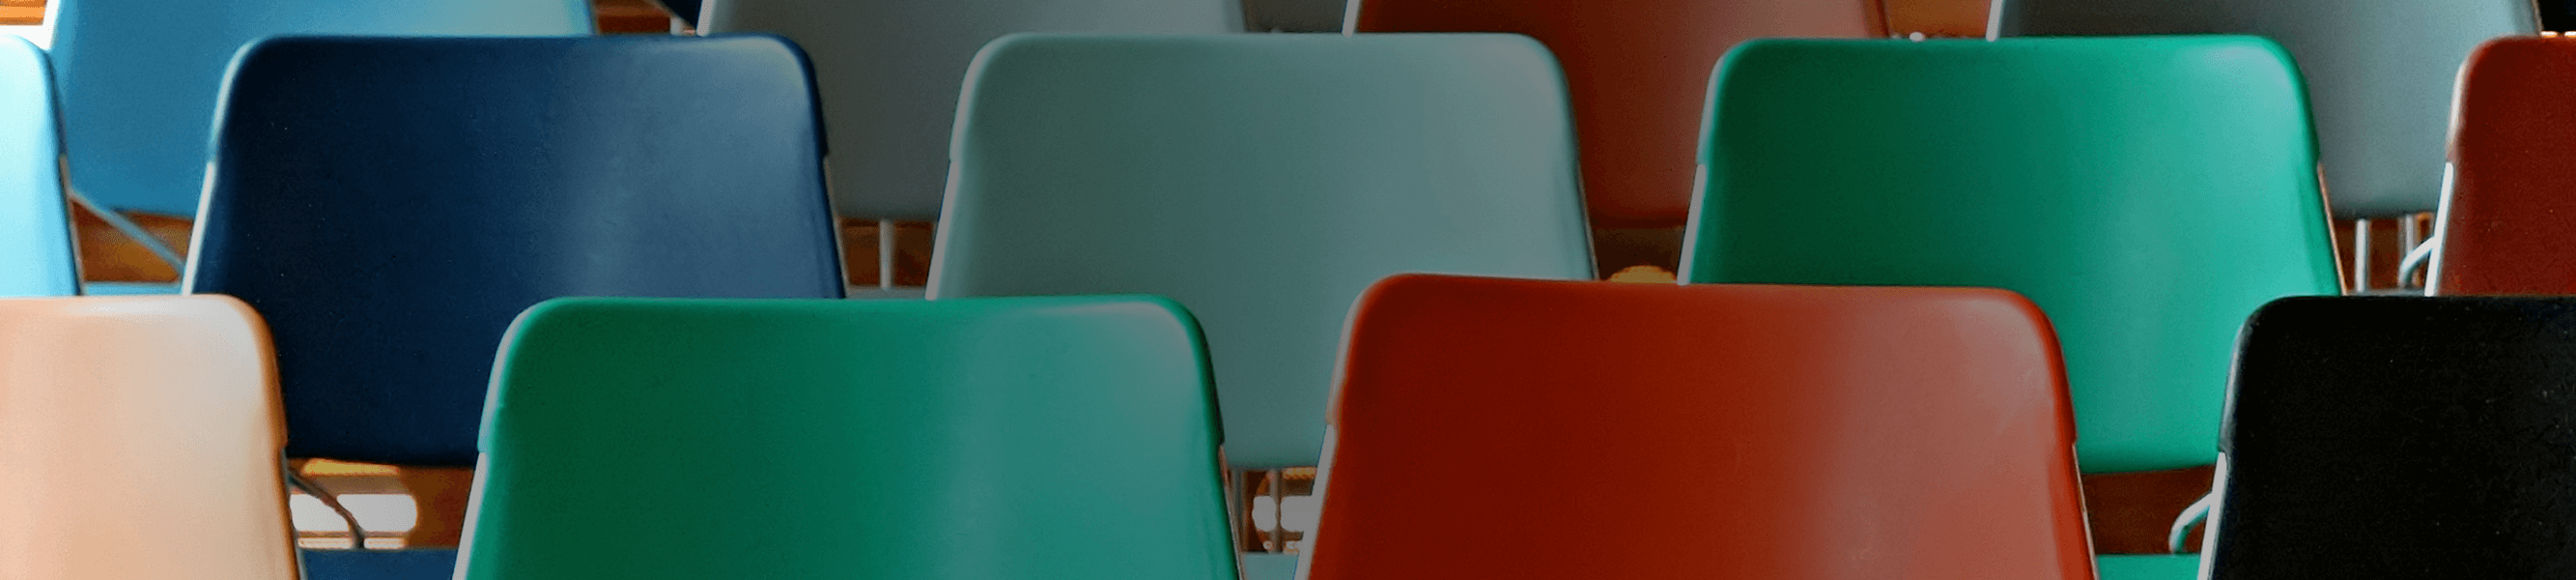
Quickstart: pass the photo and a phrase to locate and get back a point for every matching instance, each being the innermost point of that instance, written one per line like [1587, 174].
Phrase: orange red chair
[1657, 431]
[2505, 221]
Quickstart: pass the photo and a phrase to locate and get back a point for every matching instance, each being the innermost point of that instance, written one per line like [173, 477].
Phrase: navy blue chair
[35, 233]
[139, 77]
[391, 204]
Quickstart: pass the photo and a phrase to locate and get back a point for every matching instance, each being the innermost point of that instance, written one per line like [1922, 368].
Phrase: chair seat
[379, 564]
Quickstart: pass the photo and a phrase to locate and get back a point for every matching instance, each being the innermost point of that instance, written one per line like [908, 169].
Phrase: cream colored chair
[139, 438]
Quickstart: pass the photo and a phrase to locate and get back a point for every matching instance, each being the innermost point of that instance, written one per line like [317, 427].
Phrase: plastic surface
[1657, 431]
[992, 439]
[2400, 438]
[141, 439]
[1294, 15]
[2148, 567]
[140, 77]
[2149, 193]
[35, 227]
[2504, 228]
[1132, 164]
[389, 267]
[1637, 74]
[891, 73]
[411, 564]
[2381, 73]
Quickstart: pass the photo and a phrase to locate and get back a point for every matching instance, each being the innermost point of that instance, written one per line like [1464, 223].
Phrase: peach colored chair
[139, 438]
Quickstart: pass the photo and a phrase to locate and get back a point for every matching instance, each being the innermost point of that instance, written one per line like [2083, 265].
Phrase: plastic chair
[2386, 437]
[2148, 193]
[891, 74]
[1008, 438]
[2502, 228]
[1136, 164]
[1637, 74]
[35, 227]
[2380, 73]
[1295, 15]
[140, 77]
[1654, 431]
[141, 439]
[526, 168]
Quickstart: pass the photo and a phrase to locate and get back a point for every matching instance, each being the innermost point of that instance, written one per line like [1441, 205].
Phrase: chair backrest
[35, 227]
[525, 169]
[891, 73]
[1657, 431]
[2148, 193]
[1295, 15]
[141, 441]
[2504, 228]
[2380, 73]
[2389, 437]
[1263, 180]
[140, 77]
[1006, 438]
[1637, 75]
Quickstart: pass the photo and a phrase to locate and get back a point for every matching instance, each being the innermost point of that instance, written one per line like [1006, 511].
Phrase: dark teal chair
[641, 439]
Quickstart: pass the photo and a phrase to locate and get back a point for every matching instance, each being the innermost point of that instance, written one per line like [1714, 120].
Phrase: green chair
[2148, 193]
[1264, 181]
[637, 438]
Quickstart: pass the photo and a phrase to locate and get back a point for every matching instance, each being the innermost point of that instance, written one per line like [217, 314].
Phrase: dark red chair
[1653, 431]
[2508, 223]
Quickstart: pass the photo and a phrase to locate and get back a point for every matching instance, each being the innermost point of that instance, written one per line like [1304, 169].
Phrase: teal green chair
[642, 439]
[2148, 193]
[1264, 181]
[35, 229]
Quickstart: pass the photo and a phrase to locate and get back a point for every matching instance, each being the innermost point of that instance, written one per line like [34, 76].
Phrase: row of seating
[1742, 176]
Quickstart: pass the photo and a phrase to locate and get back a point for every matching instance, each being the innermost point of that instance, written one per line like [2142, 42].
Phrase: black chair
[2401, 438]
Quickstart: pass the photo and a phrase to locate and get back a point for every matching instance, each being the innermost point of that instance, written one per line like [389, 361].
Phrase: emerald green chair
[638, 438]
[2148, 193]
[1264, 180]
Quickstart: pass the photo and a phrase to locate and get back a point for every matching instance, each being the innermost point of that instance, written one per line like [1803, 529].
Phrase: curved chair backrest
[1006, 438]
[1657, 431]
[891, 73]
[2389, 437]
[1295, 15]
[525, 169]
[142, 437]
[2504, 227]
[35, 227]
[2149, 193]
[140, 77]
[2381, 73]
[1135, 164]
[1637, 75]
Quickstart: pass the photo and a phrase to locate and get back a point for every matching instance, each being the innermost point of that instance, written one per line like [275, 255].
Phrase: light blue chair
[889, 74]
[139, 77]
[35, 229]
[1264, 181]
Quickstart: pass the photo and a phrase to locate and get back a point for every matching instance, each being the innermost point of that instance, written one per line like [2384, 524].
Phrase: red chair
[1648, 431]
[1638, 71]
[2506, 220]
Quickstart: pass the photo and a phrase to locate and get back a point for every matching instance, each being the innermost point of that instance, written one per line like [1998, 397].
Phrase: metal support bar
[2361, 256]
[2410, 235]
[885, 254]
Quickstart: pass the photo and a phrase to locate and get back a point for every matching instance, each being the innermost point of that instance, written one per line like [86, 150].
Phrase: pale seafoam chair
[1263, 181]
